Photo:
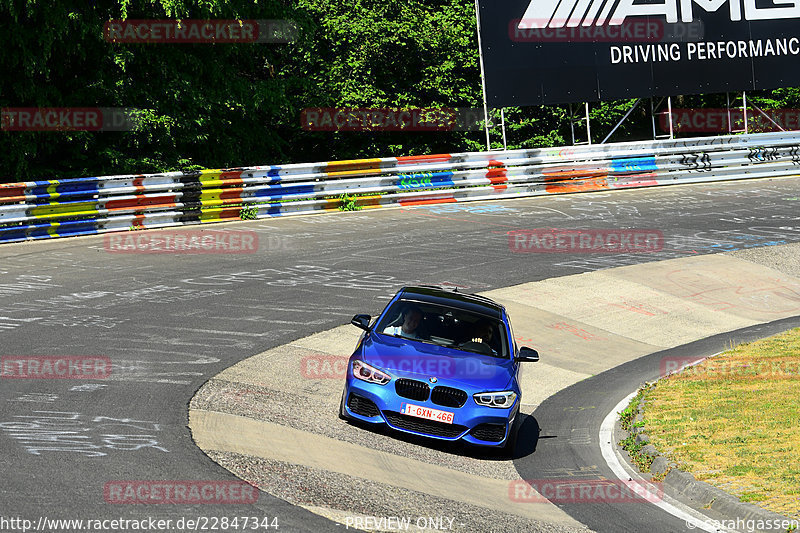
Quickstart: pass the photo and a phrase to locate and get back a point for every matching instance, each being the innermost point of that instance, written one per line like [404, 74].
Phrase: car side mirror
[527, 355]
[361, 321]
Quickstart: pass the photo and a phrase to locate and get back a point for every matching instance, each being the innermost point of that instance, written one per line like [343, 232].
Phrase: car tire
[342, 412]
[509, 448]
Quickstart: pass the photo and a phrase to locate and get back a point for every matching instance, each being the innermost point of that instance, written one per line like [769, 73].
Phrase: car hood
[419, 360]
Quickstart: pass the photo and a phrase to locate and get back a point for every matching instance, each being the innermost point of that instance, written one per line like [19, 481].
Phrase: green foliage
[628, 421]
[642, 460]
[249, 212]
[370, 53]
[349, 203]
[628, 415]
[214, 105]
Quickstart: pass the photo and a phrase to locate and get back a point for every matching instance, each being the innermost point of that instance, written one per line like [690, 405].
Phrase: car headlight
[370, 374]
[500, 400]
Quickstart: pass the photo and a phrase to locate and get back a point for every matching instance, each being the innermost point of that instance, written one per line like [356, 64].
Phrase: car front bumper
[472, 423]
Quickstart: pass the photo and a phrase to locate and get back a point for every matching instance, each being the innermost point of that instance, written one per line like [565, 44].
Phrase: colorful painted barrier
[84, 206]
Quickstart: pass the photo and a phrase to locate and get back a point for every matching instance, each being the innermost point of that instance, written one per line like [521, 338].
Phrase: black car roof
[437, 295]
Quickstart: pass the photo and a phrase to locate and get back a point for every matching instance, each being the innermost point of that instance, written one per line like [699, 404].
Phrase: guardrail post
[744, 110]
[669, 112]
[483, 78]
[588, 126]
[503, 126]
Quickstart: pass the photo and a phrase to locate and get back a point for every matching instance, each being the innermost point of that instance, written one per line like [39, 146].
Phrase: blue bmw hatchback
[439, 364]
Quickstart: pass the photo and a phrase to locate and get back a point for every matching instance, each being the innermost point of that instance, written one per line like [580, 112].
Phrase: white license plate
[427, 413]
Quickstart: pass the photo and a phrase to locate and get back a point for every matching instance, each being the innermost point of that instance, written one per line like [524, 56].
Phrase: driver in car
[412, 316]
[483, 335]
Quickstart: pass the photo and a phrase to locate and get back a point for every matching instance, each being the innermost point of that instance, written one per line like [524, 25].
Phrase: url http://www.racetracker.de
[199, 523]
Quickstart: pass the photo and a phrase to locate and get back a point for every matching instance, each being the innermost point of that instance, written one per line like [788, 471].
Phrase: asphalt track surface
[169, 322]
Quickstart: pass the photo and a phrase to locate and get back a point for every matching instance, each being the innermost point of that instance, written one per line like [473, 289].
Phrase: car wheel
[342, 412]
[509, 448]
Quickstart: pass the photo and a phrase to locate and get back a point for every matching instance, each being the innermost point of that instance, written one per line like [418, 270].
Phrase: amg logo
[573, 13]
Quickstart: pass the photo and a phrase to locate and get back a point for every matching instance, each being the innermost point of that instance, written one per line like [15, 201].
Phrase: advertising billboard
[561, 51]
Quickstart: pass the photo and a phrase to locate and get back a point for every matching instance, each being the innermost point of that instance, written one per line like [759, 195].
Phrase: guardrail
[83, 206]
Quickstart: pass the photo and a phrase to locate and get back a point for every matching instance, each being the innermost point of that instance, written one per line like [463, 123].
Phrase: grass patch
[634, 449]
[734, 421]
[627, 415]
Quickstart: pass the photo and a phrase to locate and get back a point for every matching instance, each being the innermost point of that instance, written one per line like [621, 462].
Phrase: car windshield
[445, 326]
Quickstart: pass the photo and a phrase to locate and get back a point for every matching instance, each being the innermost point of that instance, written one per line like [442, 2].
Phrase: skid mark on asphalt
[77, 433]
